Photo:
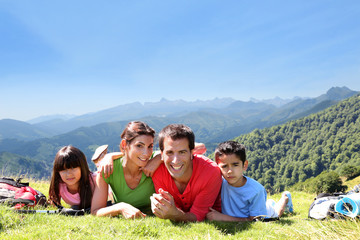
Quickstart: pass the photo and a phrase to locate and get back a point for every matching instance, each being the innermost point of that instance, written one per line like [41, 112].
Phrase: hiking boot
[289, 206]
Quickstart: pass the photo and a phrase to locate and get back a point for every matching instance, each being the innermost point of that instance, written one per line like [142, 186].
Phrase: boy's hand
[214, 215]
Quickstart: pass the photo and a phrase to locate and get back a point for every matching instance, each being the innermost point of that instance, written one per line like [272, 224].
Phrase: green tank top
[138, 197]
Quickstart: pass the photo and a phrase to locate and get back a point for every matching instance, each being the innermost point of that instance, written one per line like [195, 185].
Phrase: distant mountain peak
[337, 90]
[51, 117]
[277, 101]
[337, 93]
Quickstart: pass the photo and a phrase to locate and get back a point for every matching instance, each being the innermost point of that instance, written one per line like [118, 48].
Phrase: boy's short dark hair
[231, 147]
[176, 132]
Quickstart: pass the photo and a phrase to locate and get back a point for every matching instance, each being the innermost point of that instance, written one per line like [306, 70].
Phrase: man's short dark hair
[176, 132]
[231, 147]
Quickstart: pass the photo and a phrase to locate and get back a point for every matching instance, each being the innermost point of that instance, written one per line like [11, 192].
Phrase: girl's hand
[107, 163]
[152, 165]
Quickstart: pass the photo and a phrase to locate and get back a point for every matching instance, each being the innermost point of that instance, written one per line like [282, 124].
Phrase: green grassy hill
[9, 164]
[51, 226]
[283, 155]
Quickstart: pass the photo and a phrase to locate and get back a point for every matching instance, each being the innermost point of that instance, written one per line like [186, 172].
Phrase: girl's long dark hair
[71, 157]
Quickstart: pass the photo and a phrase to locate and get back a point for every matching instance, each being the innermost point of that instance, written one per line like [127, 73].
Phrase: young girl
[71, 179]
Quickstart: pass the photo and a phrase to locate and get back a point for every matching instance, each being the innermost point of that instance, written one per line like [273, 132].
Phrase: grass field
[53, 226]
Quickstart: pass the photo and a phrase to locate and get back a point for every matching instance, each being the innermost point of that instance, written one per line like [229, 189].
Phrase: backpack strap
[14, 183]
[22, 211]
[70, 211]
[265, 219]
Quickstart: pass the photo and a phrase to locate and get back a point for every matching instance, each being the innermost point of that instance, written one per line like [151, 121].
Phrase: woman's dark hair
[136, 128]
[71, 157]
[176, 132]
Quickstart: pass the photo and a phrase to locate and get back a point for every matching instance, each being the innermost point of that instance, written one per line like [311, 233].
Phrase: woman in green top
[131, 187]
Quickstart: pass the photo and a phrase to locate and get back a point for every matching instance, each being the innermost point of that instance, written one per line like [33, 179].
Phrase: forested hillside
[9, 165]
[283, 155]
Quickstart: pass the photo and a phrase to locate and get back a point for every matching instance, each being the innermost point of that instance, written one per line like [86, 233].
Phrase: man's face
[177, 158]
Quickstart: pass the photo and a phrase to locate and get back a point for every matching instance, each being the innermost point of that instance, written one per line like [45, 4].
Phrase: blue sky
[75, 57]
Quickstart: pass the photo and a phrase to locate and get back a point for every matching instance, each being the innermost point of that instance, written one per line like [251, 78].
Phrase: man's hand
[152, 165]
[107, 163]
[163, 205]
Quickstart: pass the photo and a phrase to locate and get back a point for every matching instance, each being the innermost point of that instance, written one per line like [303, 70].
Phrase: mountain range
[212, 121]
[261, 113]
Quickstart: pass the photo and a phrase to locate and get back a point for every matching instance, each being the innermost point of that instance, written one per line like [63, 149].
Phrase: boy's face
[232, 169]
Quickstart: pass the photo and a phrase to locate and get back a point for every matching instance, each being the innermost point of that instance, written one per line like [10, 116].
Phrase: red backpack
[19, 194]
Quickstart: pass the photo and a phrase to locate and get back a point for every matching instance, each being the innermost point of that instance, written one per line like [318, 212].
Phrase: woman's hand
[130, 212]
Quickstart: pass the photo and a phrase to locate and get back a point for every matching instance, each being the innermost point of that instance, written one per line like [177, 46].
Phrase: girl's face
[71, 176]
[139, 150]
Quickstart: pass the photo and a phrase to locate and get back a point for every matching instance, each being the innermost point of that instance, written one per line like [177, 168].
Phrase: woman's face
[140, 149]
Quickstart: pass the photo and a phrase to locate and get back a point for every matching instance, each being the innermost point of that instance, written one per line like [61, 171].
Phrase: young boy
[243, 198]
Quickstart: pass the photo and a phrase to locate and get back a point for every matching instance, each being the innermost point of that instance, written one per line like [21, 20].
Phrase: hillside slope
[10, 128]
[9, 165]
[282, 155]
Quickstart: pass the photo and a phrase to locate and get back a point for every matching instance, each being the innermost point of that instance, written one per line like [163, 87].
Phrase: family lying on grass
[178, 184]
